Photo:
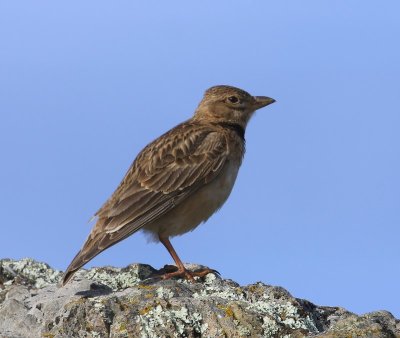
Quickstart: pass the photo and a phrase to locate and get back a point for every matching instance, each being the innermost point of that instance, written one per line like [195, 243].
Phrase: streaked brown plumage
[179, 180]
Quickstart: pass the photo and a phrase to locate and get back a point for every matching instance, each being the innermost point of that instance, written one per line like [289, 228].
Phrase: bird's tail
[75, 265]
[98, 241]
[95, 243]
[90, 249]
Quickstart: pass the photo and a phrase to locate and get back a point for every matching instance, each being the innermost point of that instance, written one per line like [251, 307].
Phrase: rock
[132, 302]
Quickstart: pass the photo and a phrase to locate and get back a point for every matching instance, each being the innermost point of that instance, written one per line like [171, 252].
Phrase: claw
[180, 270]
[187, 274]
[215, 272]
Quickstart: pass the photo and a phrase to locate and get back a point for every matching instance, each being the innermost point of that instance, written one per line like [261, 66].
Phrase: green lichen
[227, 309]
[35, 273]
[48, 335]
[114, 278]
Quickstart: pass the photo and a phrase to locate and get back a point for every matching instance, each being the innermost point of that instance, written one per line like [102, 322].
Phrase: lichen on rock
[133, 302]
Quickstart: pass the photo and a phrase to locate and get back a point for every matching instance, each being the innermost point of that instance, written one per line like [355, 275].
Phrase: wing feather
[173, 165]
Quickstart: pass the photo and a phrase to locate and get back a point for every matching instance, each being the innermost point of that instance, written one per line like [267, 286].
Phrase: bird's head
[229, 104]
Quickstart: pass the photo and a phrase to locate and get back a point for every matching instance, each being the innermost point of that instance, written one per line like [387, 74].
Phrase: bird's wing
[163, 175]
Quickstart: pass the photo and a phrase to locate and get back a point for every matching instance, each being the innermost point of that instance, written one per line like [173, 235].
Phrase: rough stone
[133, 302]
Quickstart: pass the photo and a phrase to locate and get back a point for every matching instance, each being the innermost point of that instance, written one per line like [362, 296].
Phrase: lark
[179, 180]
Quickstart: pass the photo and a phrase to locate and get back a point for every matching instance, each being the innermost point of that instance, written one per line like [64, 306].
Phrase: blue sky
[85, 85]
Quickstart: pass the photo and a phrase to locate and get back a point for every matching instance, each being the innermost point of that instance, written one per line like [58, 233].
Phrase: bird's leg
[181, 268]
[182, 271]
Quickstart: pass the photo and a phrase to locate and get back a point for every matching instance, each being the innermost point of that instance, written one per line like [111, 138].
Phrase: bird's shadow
[96, 289]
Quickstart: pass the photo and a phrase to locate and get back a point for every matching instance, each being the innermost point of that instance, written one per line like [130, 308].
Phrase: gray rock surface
[133, 302]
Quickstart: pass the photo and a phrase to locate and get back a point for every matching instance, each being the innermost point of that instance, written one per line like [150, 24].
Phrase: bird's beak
[262, 101]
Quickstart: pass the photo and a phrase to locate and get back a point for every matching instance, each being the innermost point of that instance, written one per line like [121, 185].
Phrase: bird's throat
[237, 128]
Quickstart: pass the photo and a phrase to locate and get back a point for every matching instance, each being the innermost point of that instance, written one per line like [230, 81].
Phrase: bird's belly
[197, 208]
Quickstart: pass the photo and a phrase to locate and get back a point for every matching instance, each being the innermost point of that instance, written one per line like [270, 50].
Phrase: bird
[177, 181]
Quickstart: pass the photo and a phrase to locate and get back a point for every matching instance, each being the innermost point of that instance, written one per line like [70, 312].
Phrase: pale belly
[197, 208]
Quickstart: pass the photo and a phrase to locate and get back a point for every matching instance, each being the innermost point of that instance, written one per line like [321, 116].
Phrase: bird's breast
[198, 207]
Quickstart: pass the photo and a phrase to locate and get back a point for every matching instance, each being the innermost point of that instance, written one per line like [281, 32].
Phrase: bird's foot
[186, 274]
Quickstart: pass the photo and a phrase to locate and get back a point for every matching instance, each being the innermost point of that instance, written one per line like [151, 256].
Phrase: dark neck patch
[237, 128]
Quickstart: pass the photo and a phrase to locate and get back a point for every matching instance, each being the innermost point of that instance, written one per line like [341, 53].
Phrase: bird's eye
[233, 99]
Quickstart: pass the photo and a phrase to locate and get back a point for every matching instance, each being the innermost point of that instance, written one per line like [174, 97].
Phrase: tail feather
[78, 261]
[94, 245]
[72, 268]
[98, 241]
[89, 250]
